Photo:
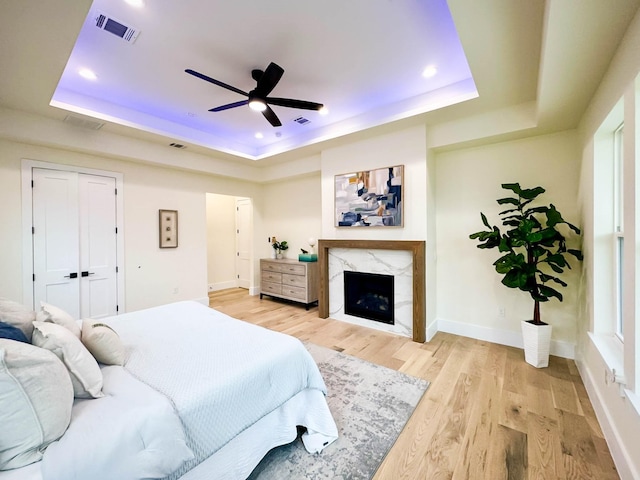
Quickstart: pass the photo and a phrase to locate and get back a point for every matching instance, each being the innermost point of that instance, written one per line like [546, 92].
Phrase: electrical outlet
[502, 312]
[176, 290]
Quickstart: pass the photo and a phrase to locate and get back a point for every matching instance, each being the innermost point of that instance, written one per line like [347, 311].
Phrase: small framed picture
[168, 228]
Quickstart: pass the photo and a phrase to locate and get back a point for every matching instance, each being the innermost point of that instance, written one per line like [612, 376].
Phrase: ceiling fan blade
[215, 82]
[229, 105]
[291, 103]
[271, 116]
[269, 79]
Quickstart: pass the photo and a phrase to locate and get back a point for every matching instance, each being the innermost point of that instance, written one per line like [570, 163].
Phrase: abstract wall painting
[371, 198]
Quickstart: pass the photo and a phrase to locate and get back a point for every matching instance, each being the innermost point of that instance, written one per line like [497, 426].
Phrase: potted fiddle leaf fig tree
[534, 252]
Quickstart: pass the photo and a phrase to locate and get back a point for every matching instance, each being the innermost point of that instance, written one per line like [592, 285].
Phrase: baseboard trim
[621, 457]
[503, 337]
[214, 287]
[432, 329]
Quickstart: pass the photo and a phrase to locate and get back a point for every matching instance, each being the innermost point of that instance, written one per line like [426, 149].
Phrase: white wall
[619, 419]
[408, 148]
[468, 182]
[291, 211]
[152, 275]
[221, 241]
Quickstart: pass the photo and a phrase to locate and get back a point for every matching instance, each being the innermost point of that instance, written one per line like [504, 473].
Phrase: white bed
[238, 390]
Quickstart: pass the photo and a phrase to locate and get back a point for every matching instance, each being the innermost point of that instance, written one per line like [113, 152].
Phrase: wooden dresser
[289, 279]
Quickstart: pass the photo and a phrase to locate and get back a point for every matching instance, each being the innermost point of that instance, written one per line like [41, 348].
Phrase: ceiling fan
[257, 98]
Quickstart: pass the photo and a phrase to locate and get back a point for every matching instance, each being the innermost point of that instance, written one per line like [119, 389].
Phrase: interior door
[74, 242]
[98, 248]
[55, 239]
[243, 241]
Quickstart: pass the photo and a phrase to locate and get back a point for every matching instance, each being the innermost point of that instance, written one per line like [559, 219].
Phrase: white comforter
[130, 433]
[222, 375]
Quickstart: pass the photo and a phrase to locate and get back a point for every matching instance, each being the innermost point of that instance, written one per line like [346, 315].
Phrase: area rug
[370, 404]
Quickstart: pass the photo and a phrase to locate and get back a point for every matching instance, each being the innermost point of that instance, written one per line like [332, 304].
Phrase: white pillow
[131, 433]
[53, 314]
[103, 342]
[36, 397]
[86, 376]
[17, 315]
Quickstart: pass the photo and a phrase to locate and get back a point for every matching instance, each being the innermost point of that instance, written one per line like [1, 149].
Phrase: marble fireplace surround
[417, 249]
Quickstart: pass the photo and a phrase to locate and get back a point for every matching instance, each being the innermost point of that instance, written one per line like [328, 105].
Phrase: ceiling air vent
[302, 120]
[109, 24]
[83, 122]
[177, 145]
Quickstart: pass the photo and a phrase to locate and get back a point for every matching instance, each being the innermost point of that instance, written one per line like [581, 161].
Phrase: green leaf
[573, 227]
[504, 212]
[514, 187]
[527, 193]
[576, 253]
[558, 281]
[534, 237]
[549, 292]
[509, 200]
[511, 223]
[505, 245]
[553, 217]
[484, 220]
[531, 211]
[516, 279]
[555, 268]
[531, 193]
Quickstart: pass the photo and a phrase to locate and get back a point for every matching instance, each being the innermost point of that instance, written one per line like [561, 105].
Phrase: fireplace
[410, 308]
[370, 296]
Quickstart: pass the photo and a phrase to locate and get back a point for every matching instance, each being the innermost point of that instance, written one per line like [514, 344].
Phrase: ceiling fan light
[257, 105]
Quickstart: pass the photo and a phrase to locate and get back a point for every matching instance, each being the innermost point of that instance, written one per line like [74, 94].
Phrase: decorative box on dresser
[289, 279]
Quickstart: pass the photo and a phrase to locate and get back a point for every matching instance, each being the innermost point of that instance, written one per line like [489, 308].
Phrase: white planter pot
[537, 340]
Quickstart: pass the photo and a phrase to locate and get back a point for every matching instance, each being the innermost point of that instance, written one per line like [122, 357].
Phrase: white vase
[279, 256]
[537, 340]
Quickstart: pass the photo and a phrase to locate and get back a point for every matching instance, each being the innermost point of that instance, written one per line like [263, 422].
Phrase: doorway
[229, 242]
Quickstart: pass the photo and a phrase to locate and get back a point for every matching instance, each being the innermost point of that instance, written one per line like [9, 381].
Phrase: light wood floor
[487, 414]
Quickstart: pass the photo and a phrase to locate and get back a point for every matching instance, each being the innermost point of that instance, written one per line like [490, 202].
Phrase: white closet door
[98, 248]
[55, 239]
[74, 242]
[243, 241]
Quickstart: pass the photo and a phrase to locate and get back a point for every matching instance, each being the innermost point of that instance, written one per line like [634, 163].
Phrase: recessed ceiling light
[323, 111]
[135, 3]
[429, 71]
[88, 74]
[259, 135]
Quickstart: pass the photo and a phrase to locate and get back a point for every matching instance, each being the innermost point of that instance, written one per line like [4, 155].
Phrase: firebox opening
[369, 295]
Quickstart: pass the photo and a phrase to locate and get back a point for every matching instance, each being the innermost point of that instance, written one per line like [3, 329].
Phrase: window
[618, 228]
[609, 229]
